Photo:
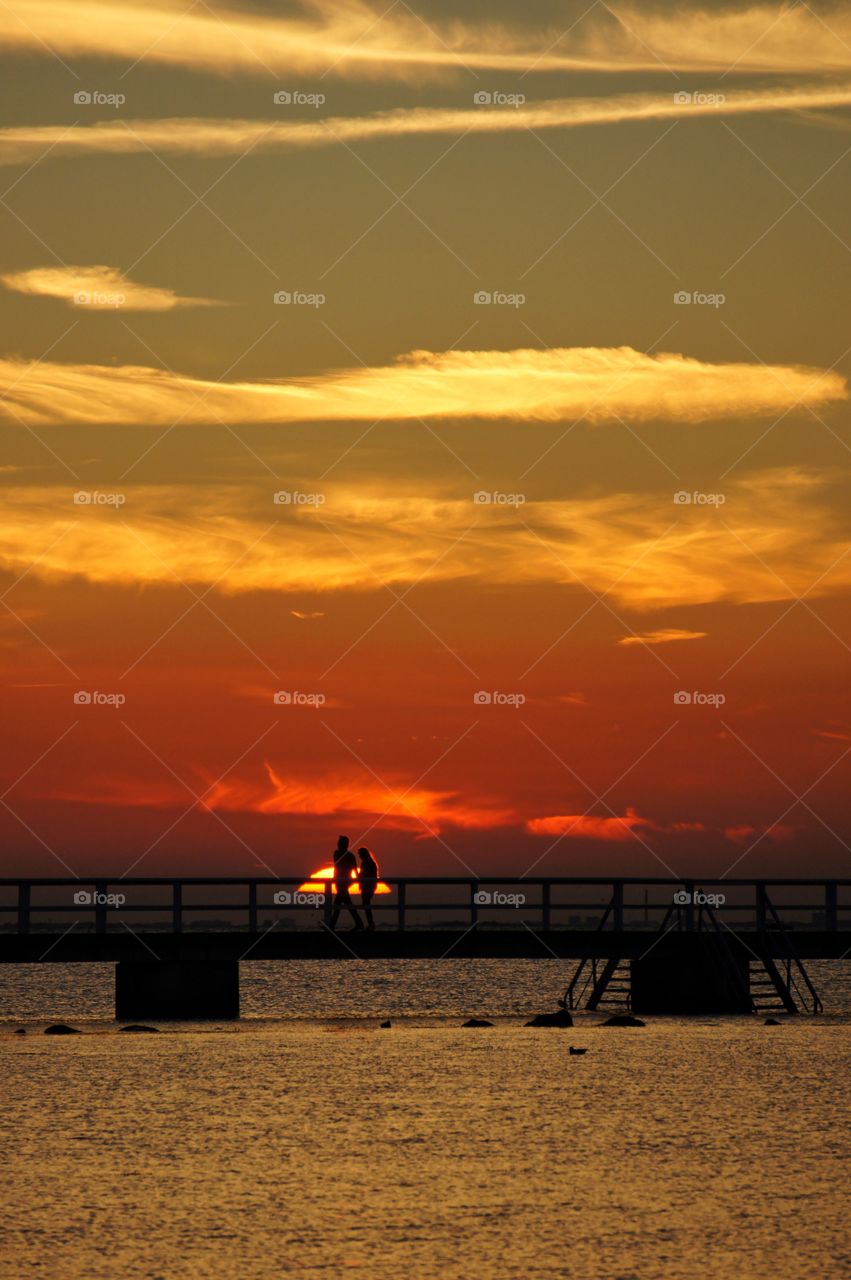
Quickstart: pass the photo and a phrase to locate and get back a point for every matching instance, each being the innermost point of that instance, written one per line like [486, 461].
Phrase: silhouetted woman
[345, 863]
[368, 878]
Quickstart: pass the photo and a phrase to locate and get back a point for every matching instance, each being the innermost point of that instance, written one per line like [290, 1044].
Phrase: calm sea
[304, 1141]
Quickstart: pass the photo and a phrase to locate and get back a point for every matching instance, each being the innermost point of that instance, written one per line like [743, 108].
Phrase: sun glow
[318, 882]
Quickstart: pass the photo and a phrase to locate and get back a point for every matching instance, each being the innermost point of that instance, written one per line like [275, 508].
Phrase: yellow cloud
[642, 549]
[98, 288]
[204, 136]
[664, 636]
[596, 383]
[356, 38]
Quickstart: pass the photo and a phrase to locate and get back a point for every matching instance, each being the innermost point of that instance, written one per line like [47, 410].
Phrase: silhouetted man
[345, 864]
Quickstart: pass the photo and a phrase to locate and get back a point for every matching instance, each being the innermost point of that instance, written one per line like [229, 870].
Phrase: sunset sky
[401, 406]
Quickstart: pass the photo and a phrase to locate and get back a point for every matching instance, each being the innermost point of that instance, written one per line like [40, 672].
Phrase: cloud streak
[98, 288]
[189, 135]
[355, 38]
[640, 548]
[597, 383]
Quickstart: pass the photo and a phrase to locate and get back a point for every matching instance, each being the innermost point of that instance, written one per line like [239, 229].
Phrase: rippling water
[304, 1141]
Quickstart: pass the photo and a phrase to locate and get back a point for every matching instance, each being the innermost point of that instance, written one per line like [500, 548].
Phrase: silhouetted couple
[345, 870]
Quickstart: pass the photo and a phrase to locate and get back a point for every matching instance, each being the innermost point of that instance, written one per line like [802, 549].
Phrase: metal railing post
[100, 906]
[617, 905]
[401, 902]
[759, 890]
[252, 906]
[177, 907]
[474, 906]
[545, 905]
[831, 921]
[23, 907]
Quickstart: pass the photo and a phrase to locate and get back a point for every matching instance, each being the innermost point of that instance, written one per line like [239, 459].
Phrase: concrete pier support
[161, 990]
[695, 975]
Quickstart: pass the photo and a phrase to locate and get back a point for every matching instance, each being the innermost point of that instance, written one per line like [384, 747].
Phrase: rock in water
[477, 1022]
[136, 1026]
[622, 1020]
[386, 1024]
[560, 1019]
[60, 1029]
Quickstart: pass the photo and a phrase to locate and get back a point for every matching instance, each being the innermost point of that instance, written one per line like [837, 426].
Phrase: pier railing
[217, 903]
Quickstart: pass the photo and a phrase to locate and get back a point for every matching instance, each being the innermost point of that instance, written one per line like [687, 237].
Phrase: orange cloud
[664, 636]
[349, 794]
[584, 826]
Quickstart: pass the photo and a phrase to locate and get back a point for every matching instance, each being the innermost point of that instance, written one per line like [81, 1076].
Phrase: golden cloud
[98, 288]
[663, 636]
[356, 38]
[641, 548]
[596, 383]
[204, 136]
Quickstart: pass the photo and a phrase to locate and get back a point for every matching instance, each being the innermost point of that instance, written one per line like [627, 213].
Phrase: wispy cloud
[276, 792]
[204, 136]
[98, 288]
[640, 548]
[664, 636]
[597, 383]
[355, 38]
